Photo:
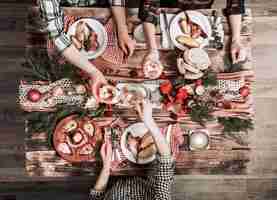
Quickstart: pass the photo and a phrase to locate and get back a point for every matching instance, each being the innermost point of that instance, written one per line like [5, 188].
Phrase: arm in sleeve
[52, 15]
[149, 11]
[234, 7]
[96, 195]
[162, 178]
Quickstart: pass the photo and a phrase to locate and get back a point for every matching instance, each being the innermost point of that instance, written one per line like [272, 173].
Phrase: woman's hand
[97, 79]
[106, 155]
[126, 44]
[238, 53]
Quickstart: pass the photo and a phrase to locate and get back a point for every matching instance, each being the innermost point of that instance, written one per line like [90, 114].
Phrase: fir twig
[234, 124]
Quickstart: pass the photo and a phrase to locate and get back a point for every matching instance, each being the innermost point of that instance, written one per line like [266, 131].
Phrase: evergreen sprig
[47, 121]
[234, 124]
[201, 112]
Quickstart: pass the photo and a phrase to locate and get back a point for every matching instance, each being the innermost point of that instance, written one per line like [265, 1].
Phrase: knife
[166, 27]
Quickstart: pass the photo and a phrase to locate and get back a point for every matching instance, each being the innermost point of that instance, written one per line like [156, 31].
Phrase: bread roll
[193, 76]
[147, 152]
[146, 140]
[188, 41]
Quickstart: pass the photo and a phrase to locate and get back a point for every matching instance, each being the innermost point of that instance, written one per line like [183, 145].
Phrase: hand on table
[238, 53]
[126, 44]
[106, 154]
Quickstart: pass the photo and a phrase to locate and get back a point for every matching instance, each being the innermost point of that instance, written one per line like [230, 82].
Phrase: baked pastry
[64, 148]
[193, 76]
[70, 126]
[146, 140]
[86, 150]
[197, 57]
[147, 152]
[89, 128]
[188, 41]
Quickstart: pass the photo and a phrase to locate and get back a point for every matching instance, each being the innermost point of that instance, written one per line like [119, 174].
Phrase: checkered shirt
[52, 14]
[149, 9]
[156, 186]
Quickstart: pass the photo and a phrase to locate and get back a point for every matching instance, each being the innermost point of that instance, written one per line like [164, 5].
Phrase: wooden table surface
[227, 155]
[259, 180]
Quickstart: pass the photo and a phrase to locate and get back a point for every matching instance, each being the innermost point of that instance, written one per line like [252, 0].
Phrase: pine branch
[234, 124]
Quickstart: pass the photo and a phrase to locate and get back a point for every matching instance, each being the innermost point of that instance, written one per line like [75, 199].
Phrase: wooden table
[226, 155]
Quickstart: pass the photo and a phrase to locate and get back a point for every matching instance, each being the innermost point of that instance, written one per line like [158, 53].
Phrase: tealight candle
[199, 140]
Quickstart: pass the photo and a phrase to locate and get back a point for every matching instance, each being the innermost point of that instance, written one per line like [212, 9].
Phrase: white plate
[137, 130]
[195, 17]
[102, 36]
[139, 34]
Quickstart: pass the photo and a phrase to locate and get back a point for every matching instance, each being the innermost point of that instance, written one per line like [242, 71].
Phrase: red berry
[166, 87]
[182, 93]
[34, 95]
[244, 91]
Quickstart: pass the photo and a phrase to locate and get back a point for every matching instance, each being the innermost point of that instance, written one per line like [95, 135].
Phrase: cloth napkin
[166, 41]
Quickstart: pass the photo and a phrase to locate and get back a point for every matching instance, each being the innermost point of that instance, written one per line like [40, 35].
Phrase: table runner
[227, 154]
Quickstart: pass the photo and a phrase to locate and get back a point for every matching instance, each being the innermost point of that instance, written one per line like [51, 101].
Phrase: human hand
[97, 79]
[126, 44]
[106, 155]
[238, 53]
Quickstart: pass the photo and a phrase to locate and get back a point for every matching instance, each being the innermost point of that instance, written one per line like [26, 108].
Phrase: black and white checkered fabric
[156, 186]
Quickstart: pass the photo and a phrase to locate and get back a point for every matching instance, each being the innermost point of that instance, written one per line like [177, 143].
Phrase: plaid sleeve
[52, 14]
[121, 3]
[96, 195]
[162, 177]
[234, 7]
[149, 11]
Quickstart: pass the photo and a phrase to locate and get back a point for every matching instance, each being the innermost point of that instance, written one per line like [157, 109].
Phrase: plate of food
[77, 139]
[89, 36]
[132, 93]
[190, 29]
[138, 145]
[108, 94]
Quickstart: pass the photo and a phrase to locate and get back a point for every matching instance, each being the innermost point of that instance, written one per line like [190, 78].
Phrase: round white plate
[139, 34]
[102, 36]
[197, 18]
[137, 130]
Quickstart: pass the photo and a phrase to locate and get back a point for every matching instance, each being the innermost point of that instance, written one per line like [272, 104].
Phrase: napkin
[166, 41]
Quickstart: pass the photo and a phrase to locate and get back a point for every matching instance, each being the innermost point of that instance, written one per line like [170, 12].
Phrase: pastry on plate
[86, 150]
[147, 152]
[70, 125]
[64, 148]
[197, 57]
[89, 128]
[187, 41]
[193, 76]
